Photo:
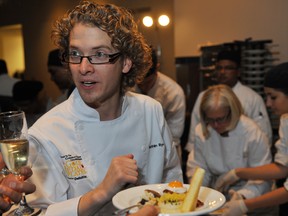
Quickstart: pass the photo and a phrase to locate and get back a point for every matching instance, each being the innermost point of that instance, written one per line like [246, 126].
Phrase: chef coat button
[143, 148]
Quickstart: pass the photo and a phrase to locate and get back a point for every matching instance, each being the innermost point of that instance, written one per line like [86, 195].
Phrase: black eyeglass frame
[112, 58]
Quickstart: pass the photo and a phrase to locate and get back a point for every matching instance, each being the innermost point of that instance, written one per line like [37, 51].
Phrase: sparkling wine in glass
[14, 147]
[15, 153]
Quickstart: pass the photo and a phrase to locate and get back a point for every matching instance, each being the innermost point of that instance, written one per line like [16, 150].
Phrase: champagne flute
[15, 151]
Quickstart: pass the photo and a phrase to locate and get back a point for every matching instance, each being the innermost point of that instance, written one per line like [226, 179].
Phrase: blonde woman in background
[227, 139]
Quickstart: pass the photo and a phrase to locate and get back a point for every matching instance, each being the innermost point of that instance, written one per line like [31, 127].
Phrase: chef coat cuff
[281, 159]
[67, 207]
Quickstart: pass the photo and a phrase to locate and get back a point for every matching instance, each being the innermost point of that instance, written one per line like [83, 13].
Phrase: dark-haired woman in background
[276, 90]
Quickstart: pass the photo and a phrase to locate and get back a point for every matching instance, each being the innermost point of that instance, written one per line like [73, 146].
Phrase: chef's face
[219, 119]
[276, 100]
[226, 72]
[97, 84]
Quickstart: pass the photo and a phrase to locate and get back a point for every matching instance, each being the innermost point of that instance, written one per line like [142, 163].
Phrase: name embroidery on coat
[156, 145]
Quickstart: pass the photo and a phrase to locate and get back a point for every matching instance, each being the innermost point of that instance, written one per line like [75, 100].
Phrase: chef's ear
[127, 64]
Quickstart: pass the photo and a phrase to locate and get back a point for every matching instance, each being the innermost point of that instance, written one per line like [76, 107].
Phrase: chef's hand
[147, 210]
[235, 208]
[225, 180]
[234, 195]
[123, 170]
[11, 188]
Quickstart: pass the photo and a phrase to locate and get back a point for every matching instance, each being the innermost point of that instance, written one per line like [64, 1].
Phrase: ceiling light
[163, 20]
[147, 21]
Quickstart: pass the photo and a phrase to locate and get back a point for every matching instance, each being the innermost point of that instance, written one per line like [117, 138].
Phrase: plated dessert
[206, 200]
[170, 200]
[175, 198]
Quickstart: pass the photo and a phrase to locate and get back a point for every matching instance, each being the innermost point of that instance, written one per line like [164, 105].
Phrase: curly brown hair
[120, 26]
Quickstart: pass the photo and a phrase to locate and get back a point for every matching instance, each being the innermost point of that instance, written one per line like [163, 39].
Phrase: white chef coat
[253, 106]
[77, 148]
[245, 146]
[172, 98]
[281, 156]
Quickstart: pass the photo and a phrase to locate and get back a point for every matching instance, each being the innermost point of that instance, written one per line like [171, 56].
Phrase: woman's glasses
[219, 120]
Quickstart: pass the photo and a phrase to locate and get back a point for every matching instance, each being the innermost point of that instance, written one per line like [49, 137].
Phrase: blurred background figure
[227, 71]
[60, 76]
[6, 82]
[6, 86]
[226, 139]
[171, 96]
[26, 98]
[276, 91]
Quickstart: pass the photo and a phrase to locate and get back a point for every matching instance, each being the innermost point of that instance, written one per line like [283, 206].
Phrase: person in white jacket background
[6, 82]
[227, 71]
[276, 90]
[226, 138]
[103, 138]
[170, 95]
[61, 76]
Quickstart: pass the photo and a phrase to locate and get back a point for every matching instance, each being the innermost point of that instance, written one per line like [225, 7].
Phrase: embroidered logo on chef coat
[74, 167]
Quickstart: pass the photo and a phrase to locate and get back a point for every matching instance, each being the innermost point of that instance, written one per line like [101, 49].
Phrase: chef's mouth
[88, 83]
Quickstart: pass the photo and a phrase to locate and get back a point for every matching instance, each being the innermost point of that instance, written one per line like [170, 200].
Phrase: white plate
[211, 198]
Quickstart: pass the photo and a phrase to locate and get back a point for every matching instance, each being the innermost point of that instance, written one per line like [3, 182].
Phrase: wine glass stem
[24, 208]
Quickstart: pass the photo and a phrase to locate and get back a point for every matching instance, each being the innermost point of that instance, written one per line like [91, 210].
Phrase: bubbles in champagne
[15, 153]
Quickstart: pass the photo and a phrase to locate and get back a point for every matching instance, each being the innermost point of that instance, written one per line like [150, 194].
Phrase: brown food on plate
[199, 203]
[154, 193]
[150, 197]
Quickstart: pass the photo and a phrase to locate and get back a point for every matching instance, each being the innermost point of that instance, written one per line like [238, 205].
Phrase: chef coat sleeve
[172, 167]
[281, 155]
[195, 119]
[259, 154]
[196, 158]
[175, 115]
[68, 207]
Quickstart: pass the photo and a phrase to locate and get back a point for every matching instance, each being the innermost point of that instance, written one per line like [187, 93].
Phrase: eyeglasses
[220, 120]
[225, 68]
[98, 58]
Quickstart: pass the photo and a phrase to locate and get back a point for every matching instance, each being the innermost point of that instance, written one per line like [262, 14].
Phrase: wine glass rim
[11, 113]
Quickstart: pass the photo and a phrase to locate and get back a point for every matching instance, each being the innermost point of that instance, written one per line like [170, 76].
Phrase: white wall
[206, 22]
[160, 36]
